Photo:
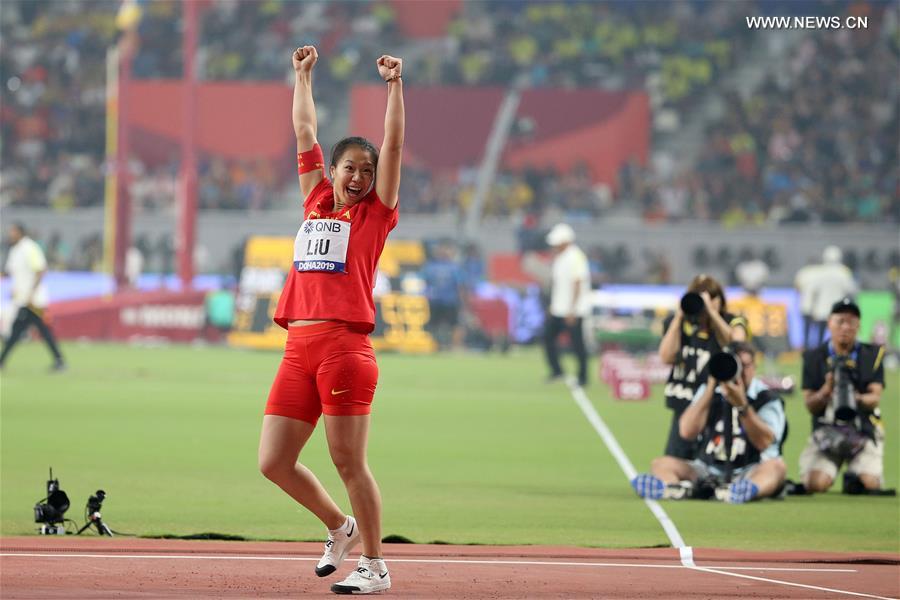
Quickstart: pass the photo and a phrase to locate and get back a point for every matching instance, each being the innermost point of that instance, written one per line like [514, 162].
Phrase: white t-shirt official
[829, 283]
[569, 266]
[803, 281]
[25, 261]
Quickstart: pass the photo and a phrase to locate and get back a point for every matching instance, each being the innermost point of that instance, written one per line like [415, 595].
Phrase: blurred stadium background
[147, 145]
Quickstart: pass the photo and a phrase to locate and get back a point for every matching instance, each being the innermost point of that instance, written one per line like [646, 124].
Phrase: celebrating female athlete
[328, 310]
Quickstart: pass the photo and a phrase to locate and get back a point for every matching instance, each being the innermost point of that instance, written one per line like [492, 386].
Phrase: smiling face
[353, 175]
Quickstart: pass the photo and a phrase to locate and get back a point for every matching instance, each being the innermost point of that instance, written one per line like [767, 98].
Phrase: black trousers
[807, 327]
[25, 318]
[554, 326]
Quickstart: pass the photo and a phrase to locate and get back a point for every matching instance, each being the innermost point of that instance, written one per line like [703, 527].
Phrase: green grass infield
[467, 449]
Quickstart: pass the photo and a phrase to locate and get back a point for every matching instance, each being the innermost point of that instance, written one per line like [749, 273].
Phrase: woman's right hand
[304, 58]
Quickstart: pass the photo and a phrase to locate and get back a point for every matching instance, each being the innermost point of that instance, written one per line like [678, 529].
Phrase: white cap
[832, 255]
[561, 234]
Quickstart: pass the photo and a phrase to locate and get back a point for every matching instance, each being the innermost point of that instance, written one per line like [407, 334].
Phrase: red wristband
[311, 160]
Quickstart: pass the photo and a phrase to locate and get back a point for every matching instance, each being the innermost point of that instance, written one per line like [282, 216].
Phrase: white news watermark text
[808, 22]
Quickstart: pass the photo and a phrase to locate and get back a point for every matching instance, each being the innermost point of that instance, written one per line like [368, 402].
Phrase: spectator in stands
[570, 301]
[741, 427]
[776, 149]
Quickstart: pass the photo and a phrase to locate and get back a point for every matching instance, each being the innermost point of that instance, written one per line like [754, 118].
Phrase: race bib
[321, 245]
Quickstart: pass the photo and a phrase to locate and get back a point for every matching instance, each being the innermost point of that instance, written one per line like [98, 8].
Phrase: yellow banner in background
[401, 318]
[268, 251]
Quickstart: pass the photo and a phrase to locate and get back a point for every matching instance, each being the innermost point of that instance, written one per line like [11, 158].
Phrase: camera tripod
[93, 510]
[94, 519]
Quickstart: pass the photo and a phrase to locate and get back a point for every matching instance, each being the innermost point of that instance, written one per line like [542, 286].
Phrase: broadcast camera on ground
[51, 510]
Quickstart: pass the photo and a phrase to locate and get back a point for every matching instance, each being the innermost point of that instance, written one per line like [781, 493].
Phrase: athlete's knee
[274, 468]
[348, 462]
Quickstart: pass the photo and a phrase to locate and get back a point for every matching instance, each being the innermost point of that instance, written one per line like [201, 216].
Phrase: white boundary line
[542, 563]
[791, 583]
[715, 570]
[686, 552]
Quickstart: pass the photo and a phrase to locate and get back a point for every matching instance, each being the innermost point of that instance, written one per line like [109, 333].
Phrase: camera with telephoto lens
[843, 395]
[725, 366]
[692, 304]
[840, 437]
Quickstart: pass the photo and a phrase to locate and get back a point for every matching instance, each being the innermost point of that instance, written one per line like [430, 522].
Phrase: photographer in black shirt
[842, 384]
[700, 328]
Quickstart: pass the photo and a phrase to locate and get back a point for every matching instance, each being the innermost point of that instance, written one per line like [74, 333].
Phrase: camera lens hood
[692, 304]
[724, 366]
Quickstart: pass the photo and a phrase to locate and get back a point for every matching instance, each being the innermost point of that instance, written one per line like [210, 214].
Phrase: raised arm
[695, 415]
[671, 341]
[304, 115]
[387, 179]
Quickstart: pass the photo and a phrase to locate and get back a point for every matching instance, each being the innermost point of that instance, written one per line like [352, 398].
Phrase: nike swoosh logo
[334, 393]
[351, 526]
[383, 575]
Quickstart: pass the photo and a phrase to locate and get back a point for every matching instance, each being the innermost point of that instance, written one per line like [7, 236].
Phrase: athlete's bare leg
[280, 444]
[348, 438]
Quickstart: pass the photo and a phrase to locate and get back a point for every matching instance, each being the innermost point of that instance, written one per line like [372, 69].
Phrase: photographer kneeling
[741, 427]
[842, 384]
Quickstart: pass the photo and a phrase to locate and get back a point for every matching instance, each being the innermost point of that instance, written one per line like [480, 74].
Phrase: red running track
[93, 567]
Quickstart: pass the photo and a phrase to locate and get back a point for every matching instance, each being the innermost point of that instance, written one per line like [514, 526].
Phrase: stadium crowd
[775, 156]
[815, 142]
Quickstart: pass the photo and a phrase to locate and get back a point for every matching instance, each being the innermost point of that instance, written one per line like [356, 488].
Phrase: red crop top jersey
[335, 259]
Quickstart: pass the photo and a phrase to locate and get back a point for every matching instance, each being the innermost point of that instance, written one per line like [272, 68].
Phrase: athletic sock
[344, 527]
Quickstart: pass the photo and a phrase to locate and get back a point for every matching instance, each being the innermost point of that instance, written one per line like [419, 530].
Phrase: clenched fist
[304, 58]
[389, 68]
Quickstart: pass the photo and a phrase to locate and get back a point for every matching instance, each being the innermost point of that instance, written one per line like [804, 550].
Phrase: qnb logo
[323, 226]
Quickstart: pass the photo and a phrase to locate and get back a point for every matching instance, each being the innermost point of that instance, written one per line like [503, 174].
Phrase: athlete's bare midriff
[304, 323]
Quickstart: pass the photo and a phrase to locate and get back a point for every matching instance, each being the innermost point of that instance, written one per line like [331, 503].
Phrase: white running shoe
[340, 542]
[370, 576]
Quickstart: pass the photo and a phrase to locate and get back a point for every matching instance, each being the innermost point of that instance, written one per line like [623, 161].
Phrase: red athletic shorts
[327, 368]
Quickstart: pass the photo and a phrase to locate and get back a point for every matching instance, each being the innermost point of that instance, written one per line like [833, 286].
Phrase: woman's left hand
[389, 68]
